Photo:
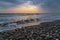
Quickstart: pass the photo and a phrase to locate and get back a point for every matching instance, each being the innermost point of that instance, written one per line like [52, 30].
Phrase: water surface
[4, 18]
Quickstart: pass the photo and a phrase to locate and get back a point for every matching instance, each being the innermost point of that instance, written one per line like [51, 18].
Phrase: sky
[29, 6]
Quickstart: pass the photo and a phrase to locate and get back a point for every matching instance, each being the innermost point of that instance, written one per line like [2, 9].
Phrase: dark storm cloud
[48, 5]
[51, 5]
[10, 3]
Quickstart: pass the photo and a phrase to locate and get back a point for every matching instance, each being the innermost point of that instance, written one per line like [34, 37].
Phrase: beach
[48, 29]
[43, 31]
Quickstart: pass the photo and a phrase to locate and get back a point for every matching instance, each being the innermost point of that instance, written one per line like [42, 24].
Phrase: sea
[12, 17]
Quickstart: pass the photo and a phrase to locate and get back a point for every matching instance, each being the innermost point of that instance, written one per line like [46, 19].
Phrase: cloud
[47, 5]
[51, 5]
[10, 3]
[5, 4]
[27, 7]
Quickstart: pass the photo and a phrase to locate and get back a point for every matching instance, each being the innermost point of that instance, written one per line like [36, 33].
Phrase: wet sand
[43, 31]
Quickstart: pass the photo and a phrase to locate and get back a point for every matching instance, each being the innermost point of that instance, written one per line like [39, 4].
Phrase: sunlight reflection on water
[15, 19]
[11, 18]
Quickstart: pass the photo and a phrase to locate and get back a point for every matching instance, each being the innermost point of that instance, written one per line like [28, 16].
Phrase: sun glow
[27, 9]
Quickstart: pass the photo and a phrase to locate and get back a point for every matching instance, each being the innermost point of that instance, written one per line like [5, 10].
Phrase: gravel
[43, 31]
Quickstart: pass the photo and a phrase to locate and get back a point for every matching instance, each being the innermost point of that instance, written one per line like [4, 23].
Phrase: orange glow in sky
[27, 9]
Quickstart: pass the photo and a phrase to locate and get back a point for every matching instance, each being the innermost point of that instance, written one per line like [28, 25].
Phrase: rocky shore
[43, 31]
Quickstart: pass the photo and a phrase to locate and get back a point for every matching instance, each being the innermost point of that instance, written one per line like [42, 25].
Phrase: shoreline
[43, 31]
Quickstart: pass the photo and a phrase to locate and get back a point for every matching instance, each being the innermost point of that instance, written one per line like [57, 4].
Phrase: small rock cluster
[44, 31]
